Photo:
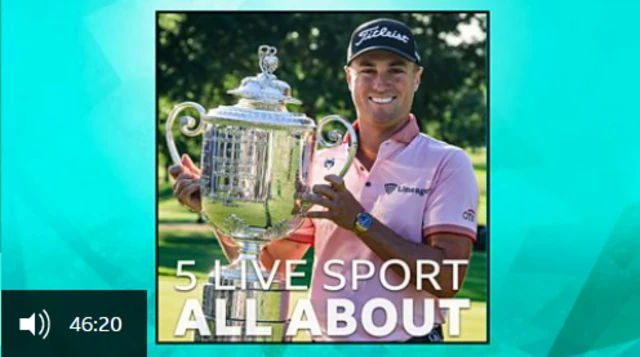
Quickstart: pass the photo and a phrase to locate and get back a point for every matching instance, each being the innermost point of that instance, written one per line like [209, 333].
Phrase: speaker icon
[29, 324]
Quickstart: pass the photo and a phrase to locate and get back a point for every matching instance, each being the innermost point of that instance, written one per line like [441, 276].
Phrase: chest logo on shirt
[328, 163]
[390, 188]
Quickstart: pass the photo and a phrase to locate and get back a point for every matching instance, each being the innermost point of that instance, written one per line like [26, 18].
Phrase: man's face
[382, 85]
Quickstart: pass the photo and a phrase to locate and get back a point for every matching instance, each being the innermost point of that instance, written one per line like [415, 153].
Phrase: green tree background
[203, 55]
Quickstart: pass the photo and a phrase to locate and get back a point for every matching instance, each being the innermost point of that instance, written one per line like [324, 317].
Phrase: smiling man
[407, 197]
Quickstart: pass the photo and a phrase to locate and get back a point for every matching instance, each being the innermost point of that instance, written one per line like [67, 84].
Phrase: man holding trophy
[405, 198]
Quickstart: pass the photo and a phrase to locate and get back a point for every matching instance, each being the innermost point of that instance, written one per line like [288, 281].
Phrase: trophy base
[277, 335]
[271, 310]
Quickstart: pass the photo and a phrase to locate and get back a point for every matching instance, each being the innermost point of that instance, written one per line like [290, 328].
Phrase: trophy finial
[265, 90]
[268, 59]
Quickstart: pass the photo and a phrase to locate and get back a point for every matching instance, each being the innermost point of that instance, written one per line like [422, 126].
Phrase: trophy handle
[187, 123]
[335, 138]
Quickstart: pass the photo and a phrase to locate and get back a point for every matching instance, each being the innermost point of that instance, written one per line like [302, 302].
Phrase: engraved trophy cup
[256, 162]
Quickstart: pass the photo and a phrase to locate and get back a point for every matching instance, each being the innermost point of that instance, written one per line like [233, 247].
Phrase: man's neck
[370, 139]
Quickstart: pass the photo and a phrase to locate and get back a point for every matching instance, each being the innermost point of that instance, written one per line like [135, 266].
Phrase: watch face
[365, 220]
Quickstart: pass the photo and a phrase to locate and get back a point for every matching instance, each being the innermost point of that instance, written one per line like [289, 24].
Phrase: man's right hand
[187, 185]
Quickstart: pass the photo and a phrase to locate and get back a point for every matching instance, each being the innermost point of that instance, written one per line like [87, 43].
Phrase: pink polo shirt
[417, 186]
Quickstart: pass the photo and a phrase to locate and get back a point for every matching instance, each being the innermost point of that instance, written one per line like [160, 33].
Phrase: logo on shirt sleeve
[469, 215]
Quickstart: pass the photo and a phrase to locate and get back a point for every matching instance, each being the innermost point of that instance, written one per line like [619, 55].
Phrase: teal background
[78, 165]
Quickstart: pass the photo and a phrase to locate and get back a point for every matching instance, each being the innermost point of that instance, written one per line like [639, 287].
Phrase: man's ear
[347, 71]
[417, 79]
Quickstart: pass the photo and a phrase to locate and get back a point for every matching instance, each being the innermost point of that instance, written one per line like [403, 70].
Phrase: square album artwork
[322, 177]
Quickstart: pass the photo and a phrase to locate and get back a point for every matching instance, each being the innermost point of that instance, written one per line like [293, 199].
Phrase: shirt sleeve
[305, 234]
[453, 199]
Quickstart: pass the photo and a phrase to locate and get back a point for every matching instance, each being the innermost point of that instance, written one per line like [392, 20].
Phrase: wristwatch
[364, 220]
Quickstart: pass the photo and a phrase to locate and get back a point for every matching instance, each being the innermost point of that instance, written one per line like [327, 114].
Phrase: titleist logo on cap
[375, 32]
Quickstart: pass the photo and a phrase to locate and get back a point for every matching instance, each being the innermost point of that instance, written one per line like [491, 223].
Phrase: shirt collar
[403, 135]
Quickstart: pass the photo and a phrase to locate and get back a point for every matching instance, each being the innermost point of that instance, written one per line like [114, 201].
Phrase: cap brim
[386, 48]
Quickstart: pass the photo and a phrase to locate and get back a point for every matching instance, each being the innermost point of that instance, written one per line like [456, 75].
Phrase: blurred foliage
[203, 55]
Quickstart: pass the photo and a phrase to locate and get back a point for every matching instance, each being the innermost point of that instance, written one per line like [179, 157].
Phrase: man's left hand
[342, 207]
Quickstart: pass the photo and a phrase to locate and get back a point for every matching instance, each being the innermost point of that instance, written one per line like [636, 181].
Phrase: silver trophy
[256, 163]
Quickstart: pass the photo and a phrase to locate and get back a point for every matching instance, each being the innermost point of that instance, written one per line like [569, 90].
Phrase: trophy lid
[263, 99]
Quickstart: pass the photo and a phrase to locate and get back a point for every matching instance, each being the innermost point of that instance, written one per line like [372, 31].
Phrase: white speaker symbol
[29, 324]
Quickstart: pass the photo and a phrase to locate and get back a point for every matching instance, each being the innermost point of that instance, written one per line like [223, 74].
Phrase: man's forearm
[282, 250]
[387, 244]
